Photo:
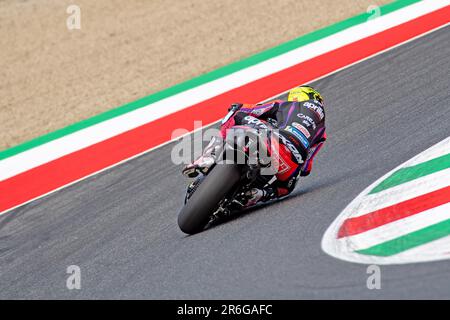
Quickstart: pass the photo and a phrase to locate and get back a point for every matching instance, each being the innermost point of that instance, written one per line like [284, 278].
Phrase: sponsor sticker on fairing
[256, 122]
[316, 108]
[257, 112]
[302, 129]
[291, 147]
[297, 133]
[307, 121]
[283, 166]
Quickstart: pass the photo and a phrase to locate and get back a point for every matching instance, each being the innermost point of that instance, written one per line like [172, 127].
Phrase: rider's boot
[256, 196]
[206, 160]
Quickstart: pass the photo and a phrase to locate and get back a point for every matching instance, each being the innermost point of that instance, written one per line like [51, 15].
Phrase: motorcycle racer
[300, 124]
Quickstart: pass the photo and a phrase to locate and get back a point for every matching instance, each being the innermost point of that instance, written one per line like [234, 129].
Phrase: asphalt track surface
[120, 226]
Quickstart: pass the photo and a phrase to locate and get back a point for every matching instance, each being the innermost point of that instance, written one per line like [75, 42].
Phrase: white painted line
[105, 169]
[29, 159]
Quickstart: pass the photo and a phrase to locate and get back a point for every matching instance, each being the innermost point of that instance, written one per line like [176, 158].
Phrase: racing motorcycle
[223, 189]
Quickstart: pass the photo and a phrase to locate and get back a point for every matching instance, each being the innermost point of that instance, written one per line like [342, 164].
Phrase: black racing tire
[197, 212]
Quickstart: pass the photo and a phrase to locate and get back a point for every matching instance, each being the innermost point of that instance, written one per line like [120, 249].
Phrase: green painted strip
[407, 174]
[409, 241]
[208, 77]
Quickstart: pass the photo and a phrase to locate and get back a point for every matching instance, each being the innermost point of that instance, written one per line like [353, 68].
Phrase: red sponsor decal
[302, 129]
